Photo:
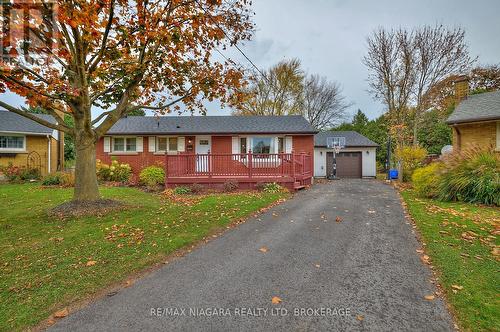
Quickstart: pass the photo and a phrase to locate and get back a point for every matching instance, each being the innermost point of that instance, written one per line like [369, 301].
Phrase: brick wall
[219, 145]
[37, 144]
[222, 144]
[137, 161]
[304, 143]
[483, 134]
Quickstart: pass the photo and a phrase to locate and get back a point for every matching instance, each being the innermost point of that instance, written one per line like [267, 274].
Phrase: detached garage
[355, 160]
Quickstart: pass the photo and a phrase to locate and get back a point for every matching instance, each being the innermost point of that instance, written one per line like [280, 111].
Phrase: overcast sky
[329, 36]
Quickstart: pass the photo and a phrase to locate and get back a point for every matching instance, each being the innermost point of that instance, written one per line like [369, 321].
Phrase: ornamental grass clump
[471, 175]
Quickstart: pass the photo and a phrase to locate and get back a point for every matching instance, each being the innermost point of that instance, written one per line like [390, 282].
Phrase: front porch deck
[288, 169]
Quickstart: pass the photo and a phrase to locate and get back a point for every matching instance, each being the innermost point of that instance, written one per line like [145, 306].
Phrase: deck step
[298, 186]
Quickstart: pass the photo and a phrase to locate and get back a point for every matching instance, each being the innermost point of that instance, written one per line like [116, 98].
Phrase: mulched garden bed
[86, 208]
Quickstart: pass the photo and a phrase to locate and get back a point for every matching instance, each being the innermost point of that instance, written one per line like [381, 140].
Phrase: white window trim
[23, 149]
[113, 151]
[158, 151]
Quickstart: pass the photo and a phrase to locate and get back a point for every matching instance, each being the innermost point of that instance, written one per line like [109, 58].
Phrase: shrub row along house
[27, 144]
[211, 150]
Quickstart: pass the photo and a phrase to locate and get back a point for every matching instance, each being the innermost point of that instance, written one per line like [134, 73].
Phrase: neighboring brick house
[26, 143]
[476, 121]
[215, 149]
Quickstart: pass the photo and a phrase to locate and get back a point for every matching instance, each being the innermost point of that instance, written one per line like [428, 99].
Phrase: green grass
[445, 228]
[43, 261]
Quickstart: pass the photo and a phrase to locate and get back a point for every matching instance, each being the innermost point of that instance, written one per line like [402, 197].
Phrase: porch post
[282, 161]
[166, 169]
[209, 161]
[293, 165]
[303, 163]
[250, 163]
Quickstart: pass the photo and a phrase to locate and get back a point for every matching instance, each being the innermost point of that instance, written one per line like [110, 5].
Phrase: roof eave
[351, 146]
[29, 133]
[470, 120]
[215, 133]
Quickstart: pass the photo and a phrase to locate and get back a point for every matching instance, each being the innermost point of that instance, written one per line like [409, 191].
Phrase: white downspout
[49, 153]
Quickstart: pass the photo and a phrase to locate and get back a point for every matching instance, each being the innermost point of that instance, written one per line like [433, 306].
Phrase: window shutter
[181, 144]
[139, 146]
[152, 144]
[107, 144]
[236, 145]
[288, 144]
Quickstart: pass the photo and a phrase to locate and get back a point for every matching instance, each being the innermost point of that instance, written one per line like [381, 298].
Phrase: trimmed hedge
[426, 180]
[152, 176]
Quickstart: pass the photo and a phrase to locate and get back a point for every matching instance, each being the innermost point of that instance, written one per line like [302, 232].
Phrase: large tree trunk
[86, 188]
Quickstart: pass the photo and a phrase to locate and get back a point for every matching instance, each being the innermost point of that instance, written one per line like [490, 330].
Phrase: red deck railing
[244, 165]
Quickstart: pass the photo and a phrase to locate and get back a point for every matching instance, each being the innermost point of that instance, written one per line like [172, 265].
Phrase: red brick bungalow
[212, 150]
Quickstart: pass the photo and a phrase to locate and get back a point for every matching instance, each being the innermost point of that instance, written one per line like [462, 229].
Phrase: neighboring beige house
[26, 143]
[476, 119]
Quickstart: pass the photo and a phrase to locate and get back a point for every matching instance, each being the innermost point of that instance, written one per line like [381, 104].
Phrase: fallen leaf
[420, 251]
[338, 219]
[61, 313]
[360, 317]
[457, 287]
[128, 283]
[276, 300]
[429, 297]
[317, 265]
[264, 249]
[91, 263]
[425, 259]
[51, 322]
[371, 211]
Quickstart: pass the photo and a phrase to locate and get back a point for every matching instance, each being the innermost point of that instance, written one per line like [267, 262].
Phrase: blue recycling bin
[393, 174]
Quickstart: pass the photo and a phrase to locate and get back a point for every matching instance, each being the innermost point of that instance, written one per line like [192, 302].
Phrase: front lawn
[47, 263]
[461, 240]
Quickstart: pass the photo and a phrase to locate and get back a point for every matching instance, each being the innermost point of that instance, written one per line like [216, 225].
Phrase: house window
[124, 144]
[281, 144]
[166, 144]
[172, 144]
[243, 145]
[12, 142]
[162, 144]
[262, 145]
[203, 141]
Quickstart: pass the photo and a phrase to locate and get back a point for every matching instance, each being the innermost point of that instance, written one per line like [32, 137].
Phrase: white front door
[203, 144]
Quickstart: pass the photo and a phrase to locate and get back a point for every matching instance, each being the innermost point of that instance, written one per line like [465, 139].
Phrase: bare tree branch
[57, 126]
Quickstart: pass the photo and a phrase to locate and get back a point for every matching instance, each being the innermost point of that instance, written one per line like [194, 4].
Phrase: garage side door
[349, 165]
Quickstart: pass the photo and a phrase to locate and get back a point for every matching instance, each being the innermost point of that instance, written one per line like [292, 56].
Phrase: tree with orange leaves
[114, 57]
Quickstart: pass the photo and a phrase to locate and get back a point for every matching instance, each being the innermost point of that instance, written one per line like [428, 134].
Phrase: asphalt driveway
[358, 274]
